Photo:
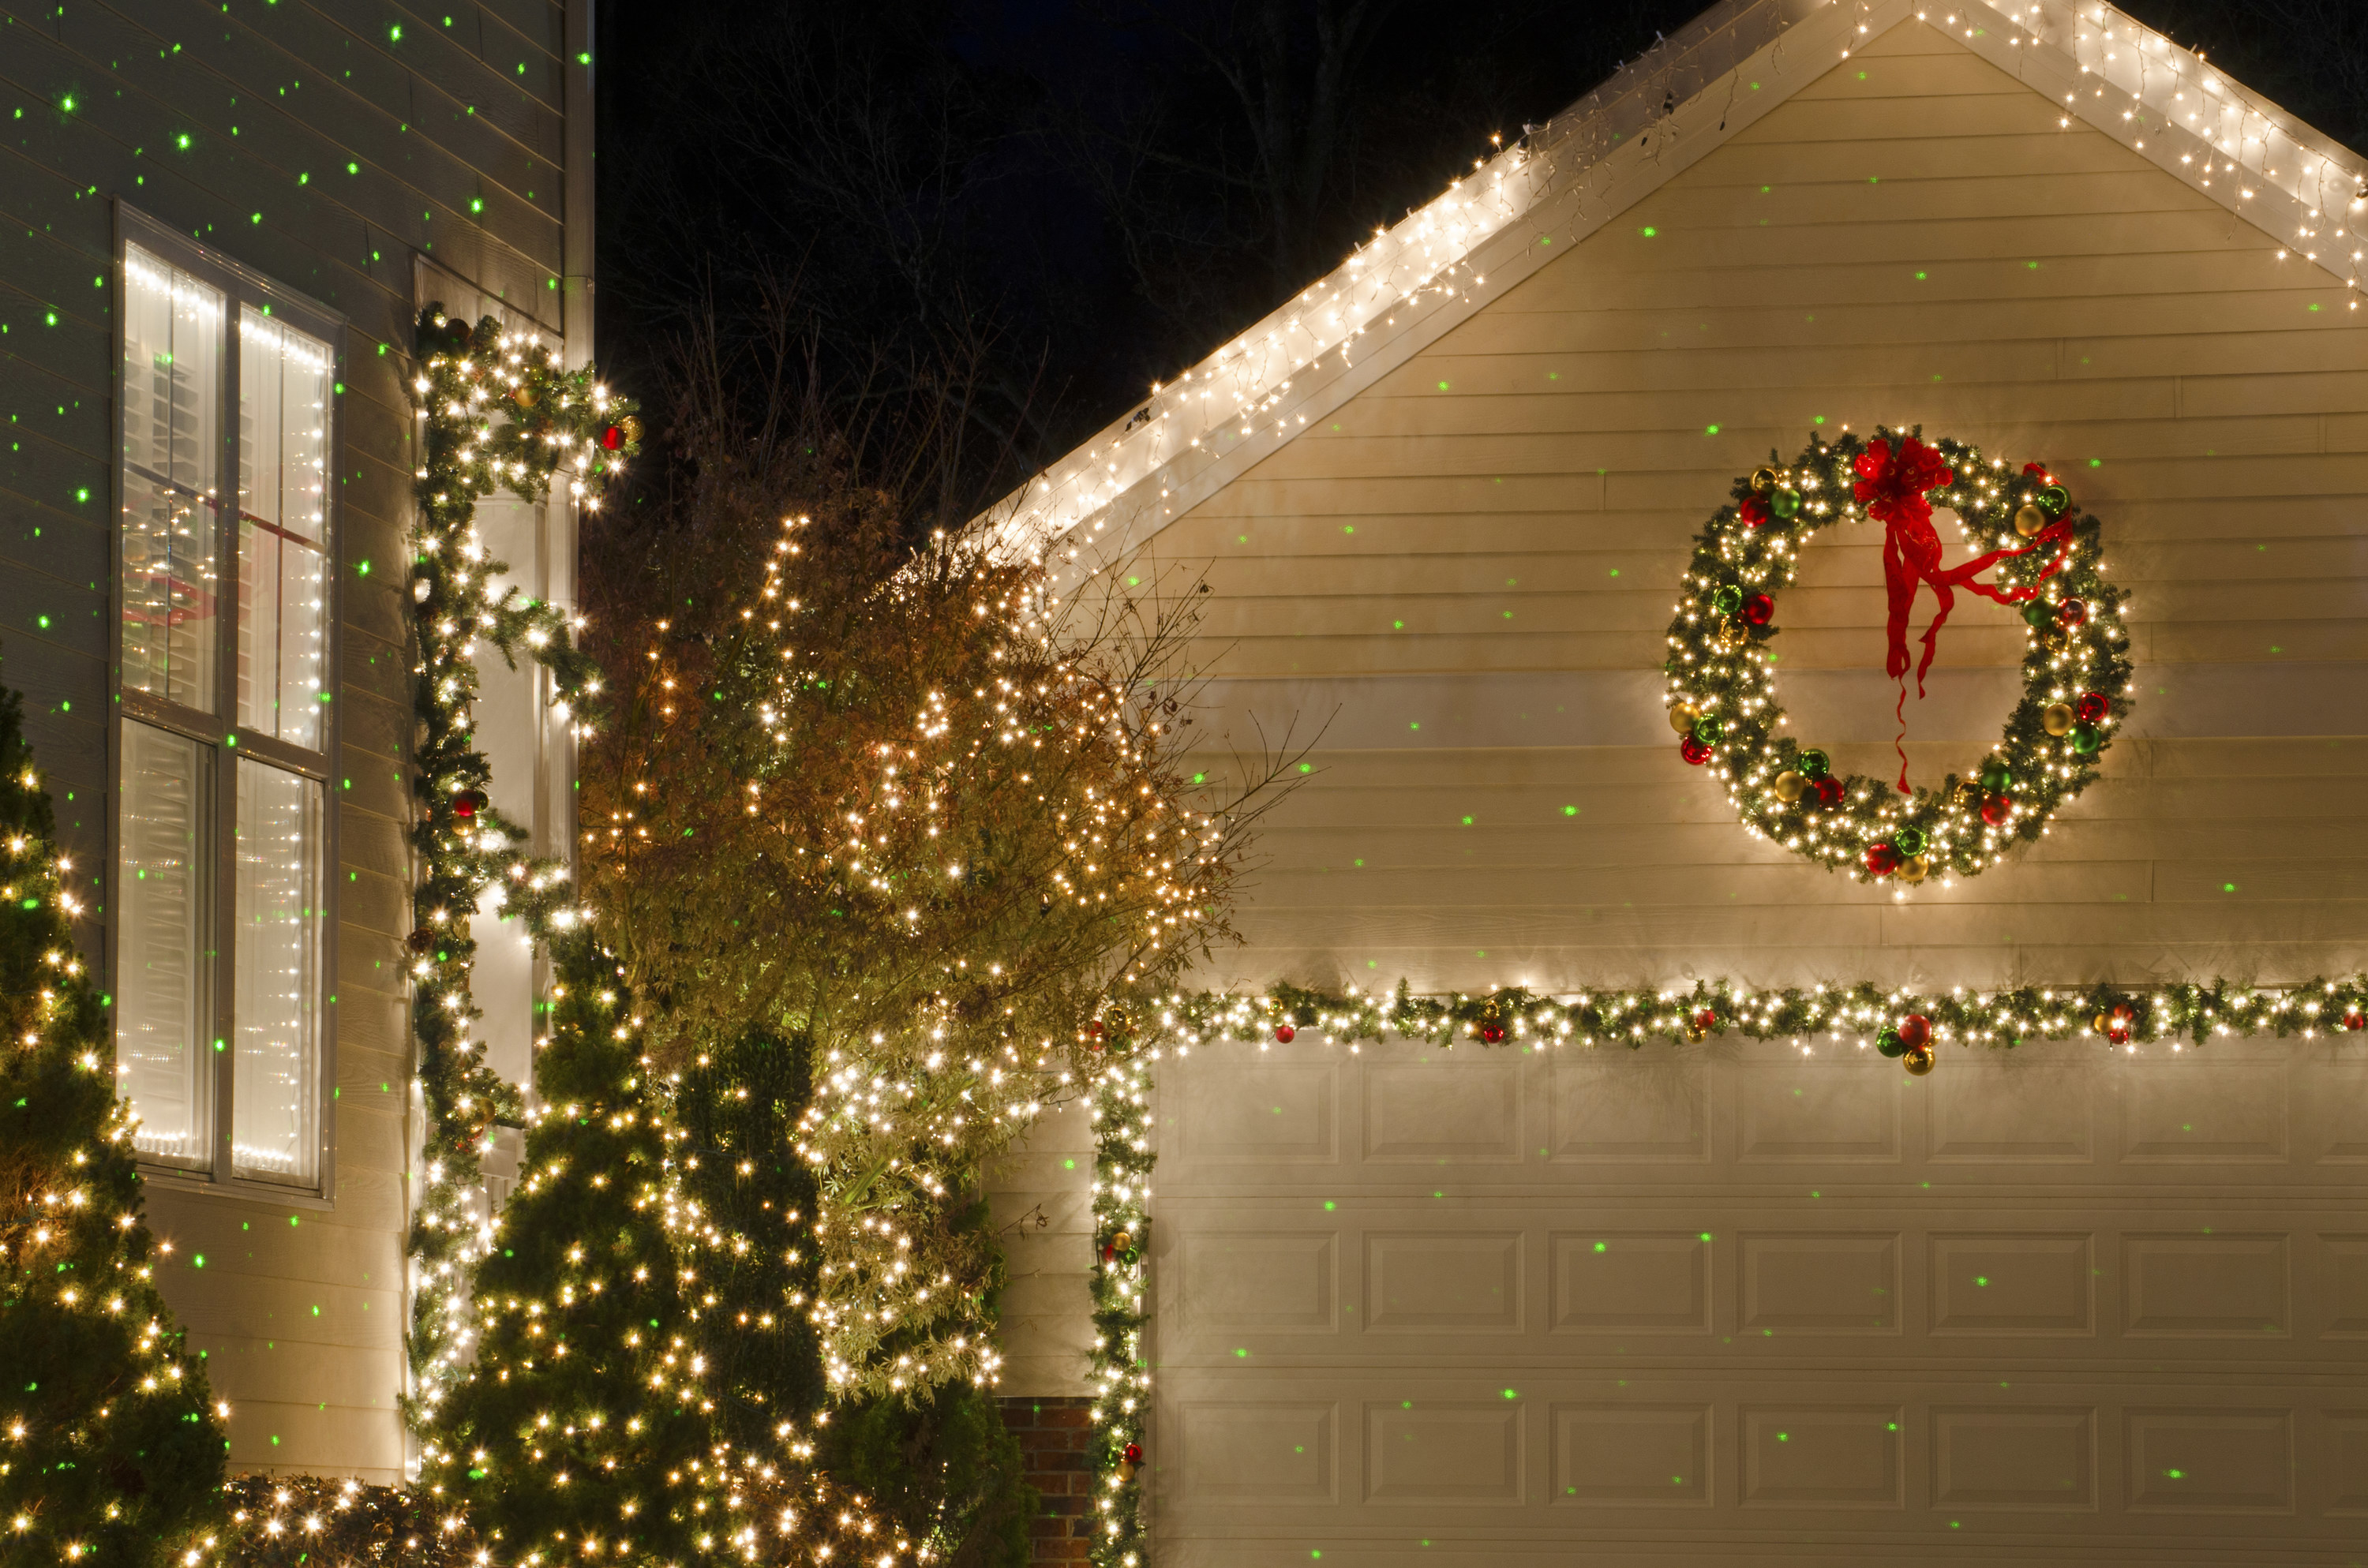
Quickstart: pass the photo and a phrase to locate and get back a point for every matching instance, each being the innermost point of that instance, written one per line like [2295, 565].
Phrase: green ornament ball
[2056, 499]
[1890, 1044]
[1785, 503]
[2086, 739]
[2039, 614]
[1728, 600]
[1813, 764]
[1997, 777]
[1709, 727]
[1909, 841]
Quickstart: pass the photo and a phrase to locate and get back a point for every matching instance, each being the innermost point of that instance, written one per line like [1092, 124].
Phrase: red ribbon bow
[1892, 485]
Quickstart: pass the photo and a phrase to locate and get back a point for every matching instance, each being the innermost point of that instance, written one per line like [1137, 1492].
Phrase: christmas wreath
[2045, 553]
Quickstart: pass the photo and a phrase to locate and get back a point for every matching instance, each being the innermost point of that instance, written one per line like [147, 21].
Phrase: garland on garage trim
[499, 410]
[1898, 1022]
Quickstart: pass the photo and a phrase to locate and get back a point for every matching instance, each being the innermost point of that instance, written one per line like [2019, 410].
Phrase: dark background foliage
[989, 225]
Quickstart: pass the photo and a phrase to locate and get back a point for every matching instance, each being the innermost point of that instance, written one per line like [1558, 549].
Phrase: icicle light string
[499, 411]
[2122, 78]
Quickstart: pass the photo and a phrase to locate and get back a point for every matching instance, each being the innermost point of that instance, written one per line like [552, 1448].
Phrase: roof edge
[1419, 278]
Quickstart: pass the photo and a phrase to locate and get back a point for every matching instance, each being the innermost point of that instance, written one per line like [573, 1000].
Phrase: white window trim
[227, 740]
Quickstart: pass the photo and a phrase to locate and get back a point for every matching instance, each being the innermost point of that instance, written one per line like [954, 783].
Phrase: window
[224, 673]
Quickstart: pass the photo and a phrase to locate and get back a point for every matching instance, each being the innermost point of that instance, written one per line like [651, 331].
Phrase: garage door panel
[1718, 1306]
[1527, 1275]
[2051, 1459]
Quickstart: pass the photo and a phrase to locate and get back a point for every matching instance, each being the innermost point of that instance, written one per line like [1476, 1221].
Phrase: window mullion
[225, 799]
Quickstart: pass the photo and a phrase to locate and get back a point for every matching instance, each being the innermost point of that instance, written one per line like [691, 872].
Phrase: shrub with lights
[110, 1447]
[2047, 555]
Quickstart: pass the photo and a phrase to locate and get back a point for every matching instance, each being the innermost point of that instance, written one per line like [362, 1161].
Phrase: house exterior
[1717, 1302]
[223, 224]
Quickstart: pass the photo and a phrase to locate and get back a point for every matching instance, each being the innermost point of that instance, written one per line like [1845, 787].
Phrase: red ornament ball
[2355, 1020]
[1134, 1453]
[612, 438]
[1884, 858]
[2118, 1033]
[1996, 809]
[1492, 1033]
[1705, 1019]
[1915, 1032]
[1694, 749]
[1830, 791]
[2071, 612]
[1759, 609]
[1754, 511]
[1284, 1034]
[467, 803]
[2091, 707]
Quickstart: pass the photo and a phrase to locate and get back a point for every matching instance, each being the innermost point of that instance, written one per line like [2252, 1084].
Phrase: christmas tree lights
[110, 1444]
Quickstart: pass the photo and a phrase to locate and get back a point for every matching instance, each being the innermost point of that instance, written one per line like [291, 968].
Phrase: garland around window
[2048, 556]
[499, 411]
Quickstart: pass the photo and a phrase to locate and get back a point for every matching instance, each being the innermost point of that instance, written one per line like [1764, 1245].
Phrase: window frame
[223, 740]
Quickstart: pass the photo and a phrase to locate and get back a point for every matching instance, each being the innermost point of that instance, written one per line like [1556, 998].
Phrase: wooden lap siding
[455, 151]
[1468, 569]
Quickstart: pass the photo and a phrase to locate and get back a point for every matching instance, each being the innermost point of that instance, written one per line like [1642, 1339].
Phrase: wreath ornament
[2045, 555]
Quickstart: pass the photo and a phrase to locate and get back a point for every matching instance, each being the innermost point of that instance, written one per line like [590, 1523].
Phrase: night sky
[1018, 214]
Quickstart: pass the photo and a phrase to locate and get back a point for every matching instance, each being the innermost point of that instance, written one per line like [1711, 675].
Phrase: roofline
[1658, 116]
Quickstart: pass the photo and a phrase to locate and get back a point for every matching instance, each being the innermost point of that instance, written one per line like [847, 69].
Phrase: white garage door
[1743, 1304]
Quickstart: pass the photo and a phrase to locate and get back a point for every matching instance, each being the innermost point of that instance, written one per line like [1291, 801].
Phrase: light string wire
[498, 410]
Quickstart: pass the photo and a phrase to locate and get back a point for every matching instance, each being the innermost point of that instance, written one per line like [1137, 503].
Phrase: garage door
[1745, 1303]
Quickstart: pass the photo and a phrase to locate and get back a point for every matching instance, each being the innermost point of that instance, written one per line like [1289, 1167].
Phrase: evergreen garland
[110, 1446]
[499, 411]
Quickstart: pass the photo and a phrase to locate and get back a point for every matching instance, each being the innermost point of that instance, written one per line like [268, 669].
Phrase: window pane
[275, 1097]
[283, 427]
[172, 368]
[278, 964]
[159, 903]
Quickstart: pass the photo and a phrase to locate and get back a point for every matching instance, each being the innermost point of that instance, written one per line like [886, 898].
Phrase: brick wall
[1052, 1434]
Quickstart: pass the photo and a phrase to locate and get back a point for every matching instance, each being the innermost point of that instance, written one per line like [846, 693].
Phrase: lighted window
[226, 719]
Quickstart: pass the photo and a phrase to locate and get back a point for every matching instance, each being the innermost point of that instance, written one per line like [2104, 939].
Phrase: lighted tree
[618, 1407]
[110, 1447]
[576, 1428]
[898, 803]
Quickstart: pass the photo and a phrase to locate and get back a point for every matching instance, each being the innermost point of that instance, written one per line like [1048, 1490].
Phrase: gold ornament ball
[1731, 638]
[1121, 1241]
[1764, 480]
[2057, 719]
[1913, 869]
[2029, 520]
[1918, 1061]
[1788, 785]
[1682, 717]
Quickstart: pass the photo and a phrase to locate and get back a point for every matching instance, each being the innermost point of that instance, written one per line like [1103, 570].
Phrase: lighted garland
[1896, 1022]
[2181, 1015]
[1119, 1102]
[499, 411]
[2048, 556]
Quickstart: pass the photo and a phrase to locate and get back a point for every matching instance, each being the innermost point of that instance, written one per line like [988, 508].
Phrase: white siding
[1463, 573]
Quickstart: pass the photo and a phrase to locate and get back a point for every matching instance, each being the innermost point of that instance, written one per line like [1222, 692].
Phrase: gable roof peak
[1657, 115]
